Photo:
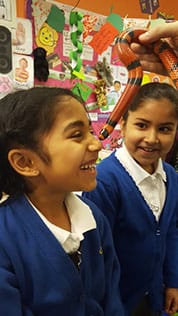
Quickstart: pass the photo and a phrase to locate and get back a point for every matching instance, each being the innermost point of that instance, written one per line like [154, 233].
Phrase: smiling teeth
[85, 167]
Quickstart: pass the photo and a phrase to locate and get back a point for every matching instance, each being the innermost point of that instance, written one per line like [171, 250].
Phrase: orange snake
[135, 74]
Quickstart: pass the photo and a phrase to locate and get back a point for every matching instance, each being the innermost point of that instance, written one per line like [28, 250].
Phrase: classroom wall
[130, 8]
[124, 7]
[20, 8]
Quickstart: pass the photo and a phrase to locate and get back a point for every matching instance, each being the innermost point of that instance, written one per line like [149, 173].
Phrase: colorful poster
[23, 74]
[22, 40]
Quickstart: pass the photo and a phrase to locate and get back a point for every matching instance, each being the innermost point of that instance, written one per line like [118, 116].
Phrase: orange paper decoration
[103, 38]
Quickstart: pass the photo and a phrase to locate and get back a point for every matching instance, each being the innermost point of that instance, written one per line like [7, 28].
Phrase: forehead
[161, 109]
[70, 109]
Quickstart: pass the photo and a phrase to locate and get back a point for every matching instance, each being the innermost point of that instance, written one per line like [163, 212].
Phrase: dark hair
[25, 116]
[156, 91]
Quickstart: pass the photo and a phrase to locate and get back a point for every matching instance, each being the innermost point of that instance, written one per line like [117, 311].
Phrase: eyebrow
[146, 121]
[73, 125]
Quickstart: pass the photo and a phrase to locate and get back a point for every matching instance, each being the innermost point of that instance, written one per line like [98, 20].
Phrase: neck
[54, 210]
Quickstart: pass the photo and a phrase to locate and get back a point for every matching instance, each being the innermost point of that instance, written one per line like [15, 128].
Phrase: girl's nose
[94, 144]
[152, 137]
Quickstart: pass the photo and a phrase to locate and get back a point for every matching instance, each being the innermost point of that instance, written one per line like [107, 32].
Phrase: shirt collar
[133, 168]
[82, 219]
[80, 214]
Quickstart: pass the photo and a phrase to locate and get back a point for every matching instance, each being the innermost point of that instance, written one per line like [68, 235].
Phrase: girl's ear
[21, 160]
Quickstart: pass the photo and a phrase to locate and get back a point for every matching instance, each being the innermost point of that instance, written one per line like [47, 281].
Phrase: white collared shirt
[82, 220]
[151, 186]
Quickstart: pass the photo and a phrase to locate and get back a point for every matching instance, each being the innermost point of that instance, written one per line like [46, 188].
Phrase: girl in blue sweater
[56, 251]
[138, 192]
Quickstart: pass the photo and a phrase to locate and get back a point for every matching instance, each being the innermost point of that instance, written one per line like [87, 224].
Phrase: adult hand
[148, 59]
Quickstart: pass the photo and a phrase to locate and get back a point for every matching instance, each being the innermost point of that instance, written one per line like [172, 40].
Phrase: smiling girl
[137, 191]
[56, 251]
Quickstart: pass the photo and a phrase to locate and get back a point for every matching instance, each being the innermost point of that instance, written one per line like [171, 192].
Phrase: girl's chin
[89, 188]
[150, 168]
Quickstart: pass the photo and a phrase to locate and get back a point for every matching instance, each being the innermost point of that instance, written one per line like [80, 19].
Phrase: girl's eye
[91, 131]
[165, 129]
[76, 134]
[141, 125]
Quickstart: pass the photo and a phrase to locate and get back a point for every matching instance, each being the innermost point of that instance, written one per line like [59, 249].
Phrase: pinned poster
[107, 33]
[23, 74]
[6, 85]
[89, 22]
[149, 6]
[22, 38]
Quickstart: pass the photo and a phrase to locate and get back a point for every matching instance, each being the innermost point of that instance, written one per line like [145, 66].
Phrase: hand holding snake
[148, 59]
[135, 73]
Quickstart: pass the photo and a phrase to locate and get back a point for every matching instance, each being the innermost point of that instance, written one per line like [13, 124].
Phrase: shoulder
[13, 211]
[6, 210]
[109, 163]
[170, 171]
[171, 180]
[4, 207]
[111, 168]
[7, 227]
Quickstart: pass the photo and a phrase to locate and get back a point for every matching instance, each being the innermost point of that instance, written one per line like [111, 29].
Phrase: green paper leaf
[74, 55]
[82, 90]
[56, 19]
[116, 21]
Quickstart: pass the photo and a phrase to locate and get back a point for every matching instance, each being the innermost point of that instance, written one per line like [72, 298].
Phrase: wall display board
[22, 46]
[80, 50]
[16, 42]
[7, 22]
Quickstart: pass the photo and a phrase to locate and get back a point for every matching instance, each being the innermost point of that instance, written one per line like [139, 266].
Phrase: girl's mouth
[88, 167]
[148, 149]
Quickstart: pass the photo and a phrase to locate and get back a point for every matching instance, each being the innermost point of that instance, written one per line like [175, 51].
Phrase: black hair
[25, 116]
[156, 91]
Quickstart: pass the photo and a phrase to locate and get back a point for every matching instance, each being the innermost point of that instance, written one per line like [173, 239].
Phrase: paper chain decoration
[75, 20]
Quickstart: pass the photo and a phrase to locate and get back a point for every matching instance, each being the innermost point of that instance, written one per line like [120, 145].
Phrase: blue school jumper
[37, 277]
[147, 249]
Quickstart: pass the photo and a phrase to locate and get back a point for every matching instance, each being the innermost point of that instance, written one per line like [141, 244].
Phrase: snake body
[135, 74]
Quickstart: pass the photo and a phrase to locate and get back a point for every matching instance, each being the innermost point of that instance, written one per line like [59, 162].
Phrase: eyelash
[92, 132]
[163, 129]
[81, 133]
[141, 125]
[76, 135]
